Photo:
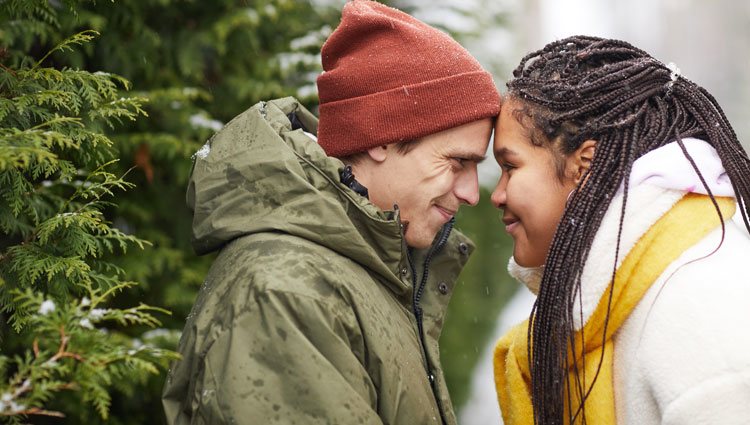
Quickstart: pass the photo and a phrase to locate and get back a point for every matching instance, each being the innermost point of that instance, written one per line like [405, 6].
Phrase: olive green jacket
[307, 315]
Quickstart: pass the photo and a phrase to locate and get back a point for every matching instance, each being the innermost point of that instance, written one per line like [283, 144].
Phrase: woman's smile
[510, 223]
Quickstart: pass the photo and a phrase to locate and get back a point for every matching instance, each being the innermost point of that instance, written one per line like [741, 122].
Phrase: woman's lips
[510, 224]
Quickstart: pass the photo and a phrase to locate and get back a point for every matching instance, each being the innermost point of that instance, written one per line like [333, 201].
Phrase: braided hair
[587, 88]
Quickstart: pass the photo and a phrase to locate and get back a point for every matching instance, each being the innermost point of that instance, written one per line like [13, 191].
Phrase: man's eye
[507, 167]
[459, 161]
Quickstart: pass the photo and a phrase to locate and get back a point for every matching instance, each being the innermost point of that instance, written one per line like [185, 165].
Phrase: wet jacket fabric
[307, 316]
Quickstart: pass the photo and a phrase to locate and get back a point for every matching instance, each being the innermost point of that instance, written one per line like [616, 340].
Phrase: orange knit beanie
[390, 78]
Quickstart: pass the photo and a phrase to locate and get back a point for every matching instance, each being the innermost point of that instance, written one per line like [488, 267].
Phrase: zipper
[417, 296]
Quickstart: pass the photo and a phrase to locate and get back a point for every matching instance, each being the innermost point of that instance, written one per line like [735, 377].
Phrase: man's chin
[418, 240]
[417, 244]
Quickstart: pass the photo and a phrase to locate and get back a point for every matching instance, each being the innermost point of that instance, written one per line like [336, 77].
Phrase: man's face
[432, 180]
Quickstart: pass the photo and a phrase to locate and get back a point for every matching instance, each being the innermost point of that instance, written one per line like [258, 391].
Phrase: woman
[620, 180]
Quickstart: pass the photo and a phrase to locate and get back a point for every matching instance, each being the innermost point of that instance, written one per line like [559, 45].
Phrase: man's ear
[378, 153]
[582, 158]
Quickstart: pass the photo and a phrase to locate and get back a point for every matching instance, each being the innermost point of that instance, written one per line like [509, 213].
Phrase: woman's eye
[507, 167]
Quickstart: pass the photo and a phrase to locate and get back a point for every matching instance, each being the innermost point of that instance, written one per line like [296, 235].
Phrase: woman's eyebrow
[505, 152]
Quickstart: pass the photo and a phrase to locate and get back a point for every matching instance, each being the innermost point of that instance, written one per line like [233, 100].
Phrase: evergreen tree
[60, 329]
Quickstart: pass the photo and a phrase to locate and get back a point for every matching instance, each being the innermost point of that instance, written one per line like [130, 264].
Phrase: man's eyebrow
[470, 156]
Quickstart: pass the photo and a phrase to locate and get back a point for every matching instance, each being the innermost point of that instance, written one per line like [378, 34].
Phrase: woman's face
[529, 192]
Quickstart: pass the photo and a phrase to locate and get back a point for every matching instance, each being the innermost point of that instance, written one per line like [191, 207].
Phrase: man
[326, 301]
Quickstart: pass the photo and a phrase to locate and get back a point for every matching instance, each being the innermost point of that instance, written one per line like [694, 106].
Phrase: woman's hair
[586, 88]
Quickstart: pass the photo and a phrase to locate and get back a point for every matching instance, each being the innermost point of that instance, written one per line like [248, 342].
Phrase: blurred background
[200, 63]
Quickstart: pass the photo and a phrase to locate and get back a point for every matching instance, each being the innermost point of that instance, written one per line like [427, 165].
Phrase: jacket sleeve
[287, 358]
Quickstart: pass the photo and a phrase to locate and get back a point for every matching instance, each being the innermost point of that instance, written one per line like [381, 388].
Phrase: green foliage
[69, 352]
[62, 332]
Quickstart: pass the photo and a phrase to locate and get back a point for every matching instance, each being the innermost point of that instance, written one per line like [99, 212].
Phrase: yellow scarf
[686, 223]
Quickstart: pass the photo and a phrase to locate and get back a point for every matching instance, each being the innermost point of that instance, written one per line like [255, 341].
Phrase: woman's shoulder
[715, 270]
[702, 289]
[705, 292]
[690, 328]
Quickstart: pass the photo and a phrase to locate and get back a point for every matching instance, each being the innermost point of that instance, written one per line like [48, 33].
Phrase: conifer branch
[11, 71]
[33, 411]
[80, 38]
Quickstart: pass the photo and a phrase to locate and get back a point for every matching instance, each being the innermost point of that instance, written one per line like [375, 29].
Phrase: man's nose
[467, 188]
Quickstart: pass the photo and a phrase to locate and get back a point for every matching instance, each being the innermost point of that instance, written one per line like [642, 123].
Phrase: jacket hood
[261, 173]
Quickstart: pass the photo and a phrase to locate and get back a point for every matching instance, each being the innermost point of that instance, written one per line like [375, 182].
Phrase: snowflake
[47, 307]
[203, 152]
[201, 121]
[97, 313]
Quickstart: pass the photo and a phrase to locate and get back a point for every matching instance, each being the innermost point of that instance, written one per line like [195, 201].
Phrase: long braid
[612, 92]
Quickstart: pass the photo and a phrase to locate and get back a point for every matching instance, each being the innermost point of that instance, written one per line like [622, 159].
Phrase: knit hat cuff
[406, 113]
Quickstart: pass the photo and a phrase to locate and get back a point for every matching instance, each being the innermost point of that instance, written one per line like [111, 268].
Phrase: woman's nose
[498, 196]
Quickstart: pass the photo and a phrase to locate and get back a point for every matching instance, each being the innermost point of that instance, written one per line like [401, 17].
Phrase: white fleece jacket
[683, 355]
